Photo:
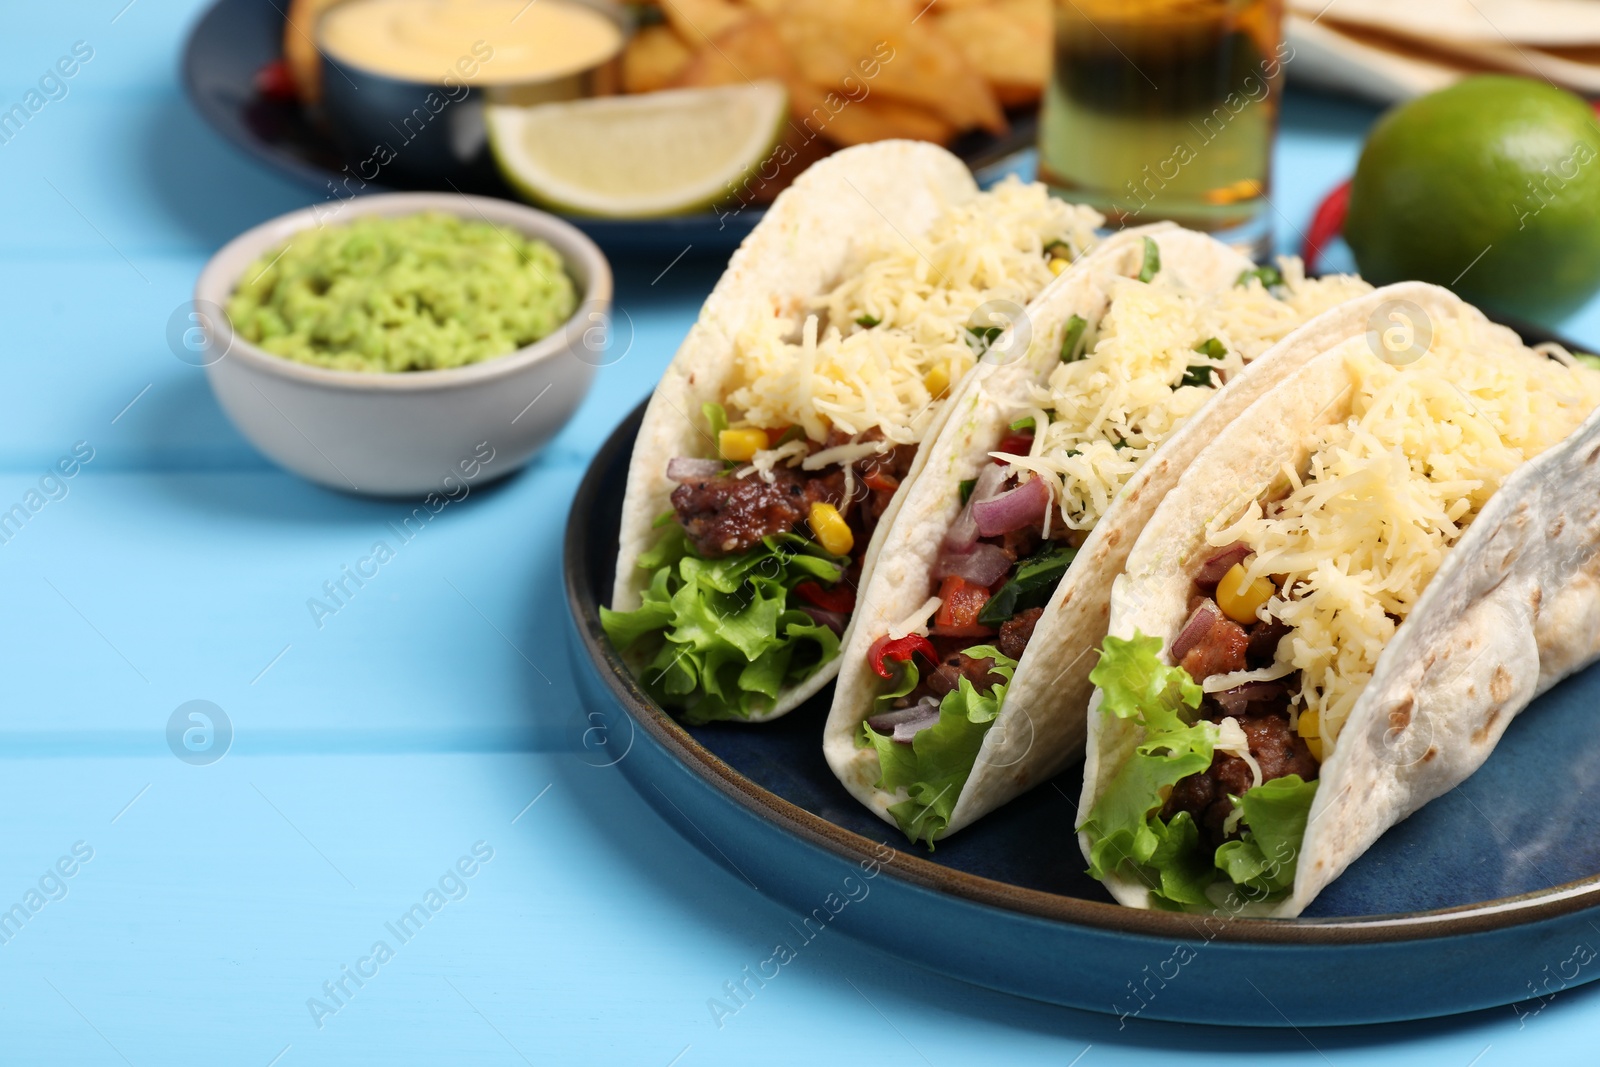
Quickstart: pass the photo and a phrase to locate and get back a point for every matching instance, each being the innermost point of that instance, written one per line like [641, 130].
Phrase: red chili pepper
[275, 81]
[840, 598]
[1326, 224]
[960, 603]
[900, 650]
[1017, 444]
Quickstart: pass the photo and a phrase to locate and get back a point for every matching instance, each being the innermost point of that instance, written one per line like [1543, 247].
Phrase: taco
[966, 680]
[1389, 555]
[786, 430]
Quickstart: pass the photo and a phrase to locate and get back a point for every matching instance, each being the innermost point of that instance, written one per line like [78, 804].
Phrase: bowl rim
[580, 543]
[582, 259]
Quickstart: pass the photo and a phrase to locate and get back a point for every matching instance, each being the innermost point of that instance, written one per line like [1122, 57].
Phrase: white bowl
[413, 432]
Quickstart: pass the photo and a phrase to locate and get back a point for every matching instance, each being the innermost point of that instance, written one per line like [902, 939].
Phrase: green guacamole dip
[416, 292]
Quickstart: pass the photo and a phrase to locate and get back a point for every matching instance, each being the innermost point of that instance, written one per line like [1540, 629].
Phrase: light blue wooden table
[227, 914]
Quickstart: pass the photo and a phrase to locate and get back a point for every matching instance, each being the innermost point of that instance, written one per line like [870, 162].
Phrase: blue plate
[235, 38]
[1488, 896]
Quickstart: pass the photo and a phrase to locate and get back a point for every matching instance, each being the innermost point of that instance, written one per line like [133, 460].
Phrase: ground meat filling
[1262, 710]
[727, 516]
[1017, 631]
[946, 677]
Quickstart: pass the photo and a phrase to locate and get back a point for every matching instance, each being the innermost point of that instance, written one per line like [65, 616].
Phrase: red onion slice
[984, 564]
[1012, 510]
[907, 723]
[684, 469]
[833, 620]
[1212, 570]
[963, 533]
[907, 732]
[1205, 615]
[885, 721]
[1235, 700]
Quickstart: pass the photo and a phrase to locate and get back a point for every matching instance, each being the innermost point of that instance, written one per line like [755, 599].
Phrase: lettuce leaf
[1124, 826]
[1263, 860]
[1125, 829]
[935, 766]
[719, 638]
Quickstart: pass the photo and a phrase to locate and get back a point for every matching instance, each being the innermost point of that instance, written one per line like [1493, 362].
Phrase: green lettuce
[1125, 827]
[935, 766]
[720, 638]
[1263, 861]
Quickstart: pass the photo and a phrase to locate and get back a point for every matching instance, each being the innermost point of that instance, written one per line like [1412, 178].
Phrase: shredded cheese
[916, 622]
[764, 461]
[832, 369]
[1364, 523]
[1232, 740]
[1109, 411]
[848, 453]
[1218, 683]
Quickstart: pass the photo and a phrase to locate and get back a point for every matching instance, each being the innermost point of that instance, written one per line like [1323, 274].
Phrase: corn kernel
[738, 446]
[1239, 601]
[1057, 265]
[937, 380]
[833, 533]
[1309, 727]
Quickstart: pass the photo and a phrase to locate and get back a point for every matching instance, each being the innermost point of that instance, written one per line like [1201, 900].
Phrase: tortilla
[1041, 724]
[1513, 608]
[871, 196]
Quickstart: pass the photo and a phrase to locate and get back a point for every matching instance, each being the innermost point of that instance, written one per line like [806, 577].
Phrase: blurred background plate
[234, 39]
[1388, 52]
[1488, 896]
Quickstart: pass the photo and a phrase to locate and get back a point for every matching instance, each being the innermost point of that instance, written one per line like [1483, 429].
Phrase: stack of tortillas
[1389, 51]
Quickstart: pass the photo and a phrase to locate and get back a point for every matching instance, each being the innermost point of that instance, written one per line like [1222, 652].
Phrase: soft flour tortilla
[1514, 609]
[1041, 726]
[796, 253]
[1023, 747]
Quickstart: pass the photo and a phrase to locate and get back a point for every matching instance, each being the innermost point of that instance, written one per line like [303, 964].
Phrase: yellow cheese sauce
[486, 42]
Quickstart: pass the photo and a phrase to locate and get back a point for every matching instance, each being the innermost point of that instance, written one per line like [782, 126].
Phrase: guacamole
[415, 292]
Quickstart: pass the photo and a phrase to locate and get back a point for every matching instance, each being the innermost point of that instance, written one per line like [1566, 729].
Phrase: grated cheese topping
[1232, 740]
[833, 369]
[843, 454]
[1106, 413]
[1366, 520]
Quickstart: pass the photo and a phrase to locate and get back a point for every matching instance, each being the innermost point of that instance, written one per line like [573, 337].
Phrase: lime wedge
[659, 153]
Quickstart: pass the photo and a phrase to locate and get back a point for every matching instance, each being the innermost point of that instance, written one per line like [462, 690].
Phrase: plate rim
[1432, 924]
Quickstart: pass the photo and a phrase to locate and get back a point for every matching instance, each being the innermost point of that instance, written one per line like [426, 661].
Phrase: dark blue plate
[1487, 896]
[235, 38]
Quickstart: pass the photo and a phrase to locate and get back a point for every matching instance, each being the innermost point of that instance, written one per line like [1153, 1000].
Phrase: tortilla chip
[1006, 41]
[752, 51]
[653, 58]
[700, 21]
[877, 119]
[300, 49]
[886, 48]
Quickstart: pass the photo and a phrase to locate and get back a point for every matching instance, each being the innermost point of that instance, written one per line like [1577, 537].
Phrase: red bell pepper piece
[274, 81]
[840, 598]
[900, 650]
[1017, 444]
[961, 601]
[1326, 225]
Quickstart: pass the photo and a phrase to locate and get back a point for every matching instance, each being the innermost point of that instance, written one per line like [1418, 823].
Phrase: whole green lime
[1491, 187]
